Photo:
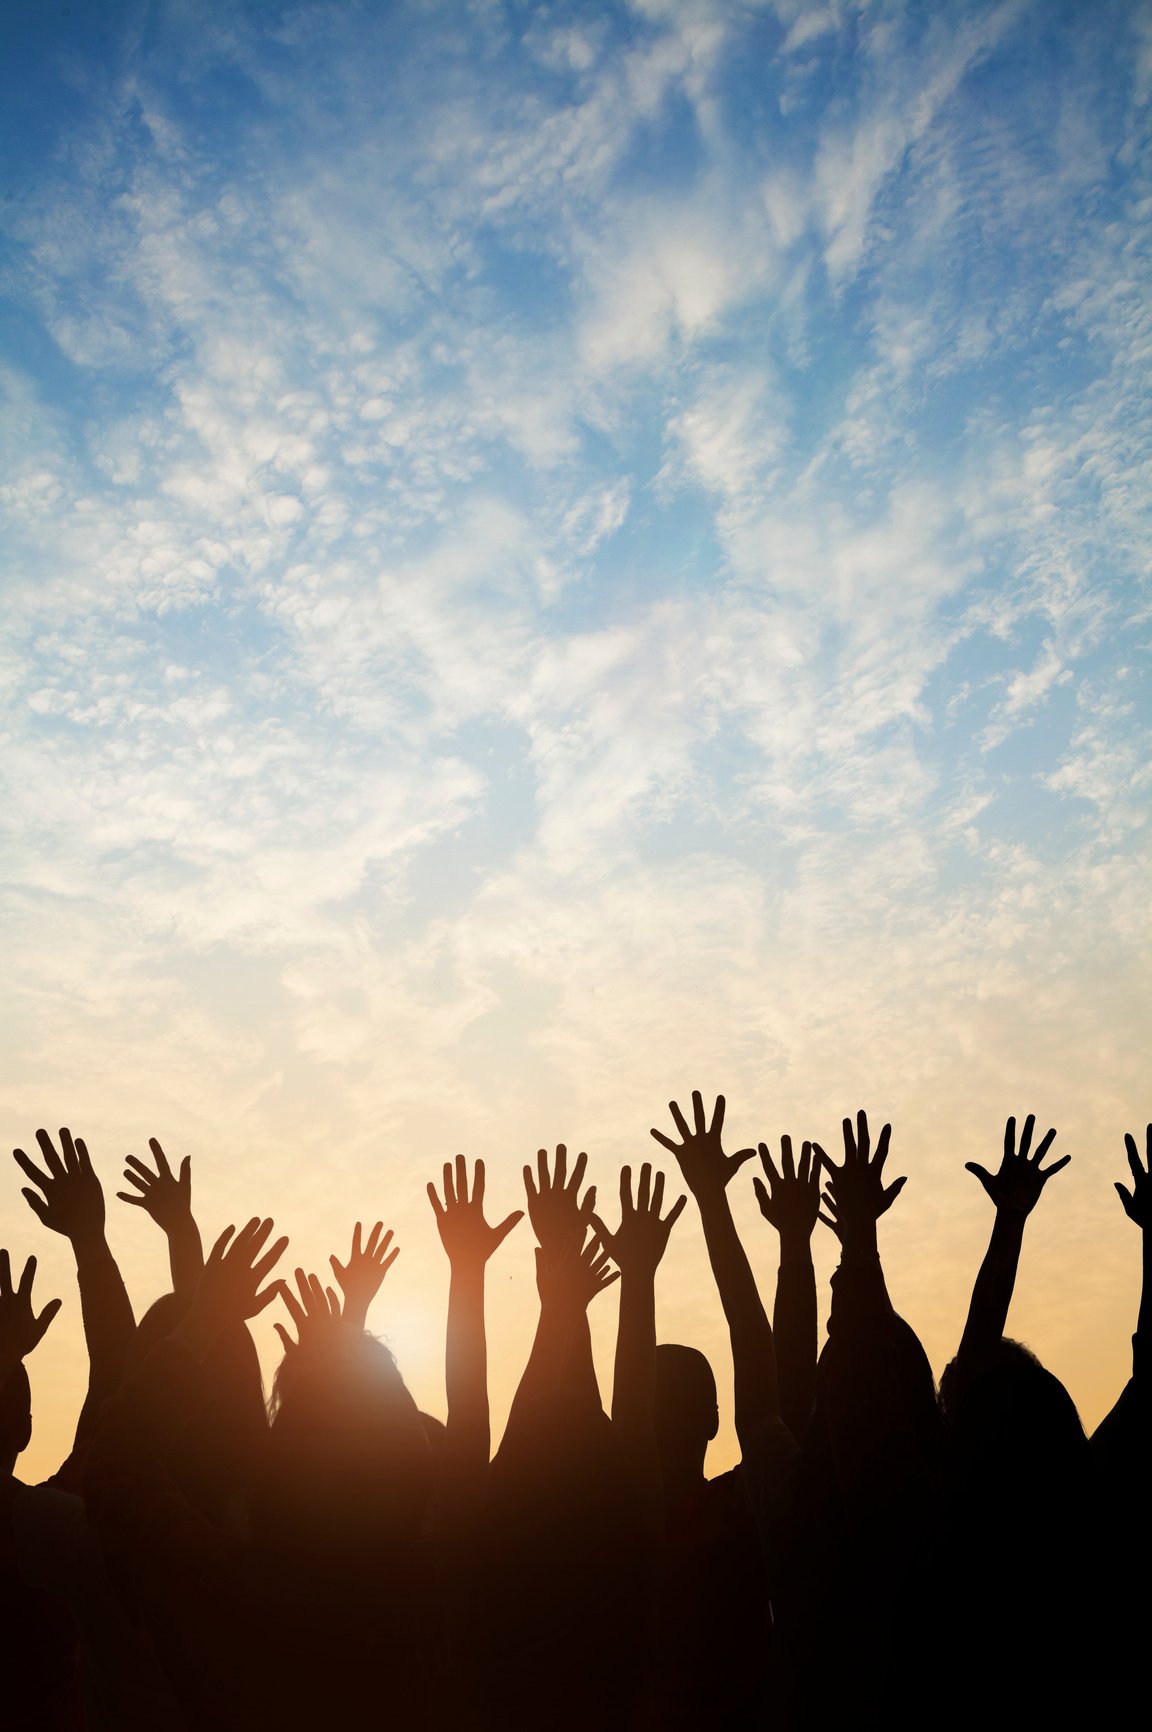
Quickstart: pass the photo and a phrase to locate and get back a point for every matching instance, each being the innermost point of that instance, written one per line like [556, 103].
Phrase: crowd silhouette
[885, 1552]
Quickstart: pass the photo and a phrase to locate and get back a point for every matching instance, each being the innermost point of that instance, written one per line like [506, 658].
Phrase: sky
[555, 555]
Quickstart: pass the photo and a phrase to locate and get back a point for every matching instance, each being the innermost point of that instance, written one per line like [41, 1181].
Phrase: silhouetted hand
[791, 1201]
[1137, 1201]
[73, 1202]
[20, 1328]
[641, 1239]
[856, 1196]
[1015, 1188]
[164, 1195]
[316, 1314]
[361, 1276]
[229, 1286]
[573, 1276]
[701, 1158]
[558, 1215]
[464, 1233]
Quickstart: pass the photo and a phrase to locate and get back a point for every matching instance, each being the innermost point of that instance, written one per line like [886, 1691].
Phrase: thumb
[736, 1161]
[502, 1231]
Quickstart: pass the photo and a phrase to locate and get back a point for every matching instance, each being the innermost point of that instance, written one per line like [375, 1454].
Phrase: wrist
[795, 1247]
[89, 1245]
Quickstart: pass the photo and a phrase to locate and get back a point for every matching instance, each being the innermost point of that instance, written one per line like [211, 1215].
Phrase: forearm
[466, 1365]
[109, 1326]
[757, 1396]
[185, 1255]
[992, 1292]
[634, 1380]
[1142, 1340]
[795, 1332]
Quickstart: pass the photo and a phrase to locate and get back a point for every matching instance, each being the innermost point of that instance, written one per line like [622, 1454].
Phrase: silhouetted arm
[1120, 1440]
[469, 1242]
[70, 1201]
[362, 1276]
[707, 1170]
[792, 1204]
[167, 1198]
[1015, 1190]
[637, 1247]
[21, 1330]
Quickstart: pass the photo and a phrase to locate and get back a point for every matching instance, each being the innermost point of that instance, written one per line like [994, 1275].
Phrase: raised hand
[316, 1315]
[641, 1239]
[791, 1200]
[1137, 1201]
[464, 1233]
[229, 1287]
[857, 1196]
[166, 1196]
[360, 1277]
[73, 1201]
[572, 1275]
[20, 1328]
[1015, 1188]
[558, 1215]
[699, 1153]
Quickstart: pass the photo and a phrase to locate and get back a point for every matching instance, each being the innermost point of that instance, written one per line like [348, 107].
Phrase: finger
[578, 1172]
[68, 1150]
[762, 1198]
[83, 1158]
[46, 1317]
[666, 1141]
[698, 1118]
[679, 1121]
[133, 1165]
[37, 1205]
[736, 1161]
[356, 1240]
[161, 1158]
[981, 1173]
[882, 1147]
[30, 1169]
[1126, 1198]
[286, 1340]
[1026, 1136]
[221, 1245]
[1134, 1166]
[675, 1211]
[5, 1276]
[461, 1179]
[1047, 1172]
[768, 1163]
[601, 1232]
[437, 1205]
[863, 1140]
[294, 1308]
[333, 1303]
[787, 1164]
[140, 1202]
[375, 1247]
[478, 1179]
[644, 1189]
[561, 1166]
[717, 1124]
[804, 1172]
[888, 1197]
[449, 1187]
[185, 1179]
[388, 1261]
[821, 1216]
[626, 1204]
[501, 1232]
[529, 1187]
[27, 1278]
[51, 1159]
[658, 1194]
[849, 1142]
[1010, 1139]
[132, 1178]
[820, 1159]
[263, 1300]
[270, 1258]
[1042, 1149]
[542, 1168]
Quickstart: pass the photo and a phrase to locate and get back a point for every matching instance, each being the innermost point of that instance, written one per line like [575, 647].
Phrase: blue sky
[545, 547]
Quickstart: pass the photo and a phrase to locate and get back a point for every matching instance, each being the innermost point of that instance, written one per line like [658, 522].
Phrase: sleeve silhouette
[707, 1170]
[167, 1198]
[791, 1202]
[468, 1242]
[69, 1200]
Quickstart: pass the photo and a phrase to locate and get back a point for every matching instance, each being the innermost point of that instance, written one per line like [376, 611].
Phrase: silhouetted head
[15, 1418]
[349, 1459]
[221, 1448]
[687, 1414]
[1011, 1403]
